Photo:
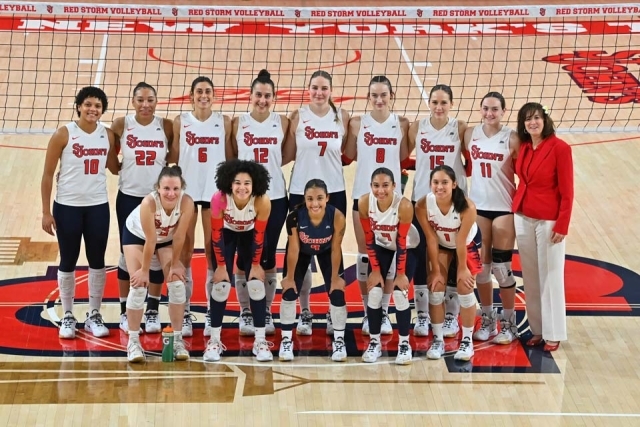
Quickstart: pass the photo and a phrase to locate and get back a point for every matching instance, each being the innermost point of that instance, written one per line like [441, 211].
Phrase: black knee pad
[289, 295]
[337, 298]
[123, 275]
[501, 255]
[156, 276]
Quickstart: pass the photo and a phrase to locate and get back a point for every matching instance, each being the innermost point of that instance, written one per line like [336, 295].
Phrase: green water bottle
[167, 344]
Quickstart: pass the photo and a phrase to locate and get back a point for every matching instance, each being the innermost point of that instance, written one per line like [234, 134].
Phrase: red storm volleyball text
[133, 142]
[311, 133]
[427, 147]
[436, 227]
[79, 151]
[193, 139]
[353, 27]
[370, 139]
[250, 139]
[477, 153]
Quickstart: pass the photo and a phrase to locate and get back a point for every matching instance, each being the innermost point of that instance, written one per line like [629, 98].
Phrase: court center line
[411, 66]
[482, 413]
[101, 61]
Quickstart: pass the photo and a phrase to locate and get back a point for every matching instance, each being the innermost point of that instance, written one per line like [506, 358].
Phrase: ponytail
[335, 110]
[460, 203]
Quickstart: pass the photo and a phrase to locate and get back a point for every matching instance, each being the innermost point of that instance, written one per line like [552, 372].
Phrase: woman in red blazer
[542, 205]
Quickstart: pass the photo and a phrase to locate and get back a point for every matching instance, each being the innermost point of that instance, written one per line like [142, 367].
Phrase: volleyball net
[582, 61]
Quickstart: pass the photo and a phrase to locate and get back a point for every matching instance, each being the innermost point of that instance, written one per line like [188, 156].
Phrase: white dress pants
[543, 275]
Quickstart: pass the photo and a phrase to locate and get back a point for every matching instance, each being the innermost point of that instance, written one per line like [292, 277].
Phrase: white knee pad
[220, 291]
[122, 263]
[400, 300]
[375, 298]
[256, 290]
[177, 292]
[287, 312]
[135, 300]
[485, 275]
[504, 275]
[436, 298]
[468, 300]
[155, 263]
[362, 267]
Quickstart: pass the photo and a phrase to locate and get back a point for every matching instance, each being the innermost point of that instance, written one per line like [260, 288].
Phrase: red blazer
[545, 190]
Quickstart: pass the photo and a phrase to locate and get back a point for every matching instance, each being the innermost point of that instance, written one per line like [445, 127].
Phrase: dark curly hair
[227, 172]
[90, 92]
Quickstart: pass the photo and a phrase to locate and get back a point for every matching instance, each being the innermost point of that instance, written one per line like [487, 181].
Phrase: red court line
[22, 147]
[152, 54]
[631, 138]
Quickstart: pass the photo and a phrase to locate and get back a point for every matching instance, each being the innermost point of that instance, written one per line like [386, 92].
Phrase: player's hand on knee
[221, 275]
[337, 283]
[401, 282]
[140, 279]
[436, 283]
[374, 279]
[287, 283]
[257, 272]
[49, 224]
[465, 278]
[177, 271]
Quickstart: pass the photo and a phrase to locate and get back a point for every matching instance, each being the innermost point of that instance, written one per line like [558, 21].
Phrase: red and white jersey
[493, 176]
[262, 143]
[239, 219]
[165, 223]
[447, 225]
[378, 145]
[318, 151]
[435, 148]
[384, 224]
[82, 178]
[202, 148]
[144, 152]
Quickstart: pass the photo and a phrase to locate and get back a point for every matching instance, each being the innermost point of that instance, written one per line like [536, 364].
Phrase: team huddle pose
[448, 240]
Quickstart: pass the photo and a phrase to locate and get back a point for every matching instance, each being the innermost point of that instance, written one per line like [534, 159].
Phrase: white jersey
[378, 145]
[262, 142]
[492, 178]
[82, 178]
[165, 223]
[435, 148]
[447, 226]
[385, 224]
[239, 219]
[318, 151]
[144, 152]
[202, 148]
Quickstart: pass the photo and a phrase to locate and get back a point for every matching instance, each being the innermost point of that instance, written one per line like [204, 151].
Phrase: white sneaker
[465, 352]
[269, 327]
[365, 325]
[214, 350]
[404, 353]
[421, 327]
[187, 324]
[152, 323]
[262, 350]
[329, 324]
[436, 350]
[508, 331]
[339, 353]
[180, 352]
[305, 323]
[286, 350]
[385, 327]
[246, 324]
[372, 352]
[67, 326]
[135, 353]
[124, 323]
[450, 327]
[95, 325]
[207, 324]
[488, 328]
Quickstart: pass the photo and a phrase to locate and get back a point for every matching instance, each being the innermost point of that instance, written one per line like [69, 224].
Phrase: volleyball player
[386, 219]
[144, 140]
[316, 141]
[314, 229]
[202, 137]
[448, 220]
[239, 214]
[158, 226]
[84, 149]
[377, 139]
[492, 148]
[260, 136]
[438, 140]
